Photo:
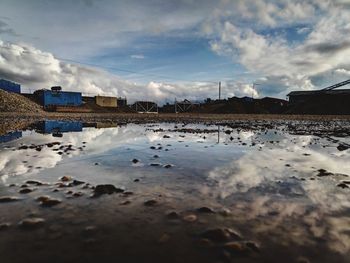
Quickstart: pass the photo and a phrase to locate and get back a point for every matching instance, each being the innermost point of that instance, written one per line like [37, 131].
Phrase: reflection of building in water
[59, 127]
[10, 136]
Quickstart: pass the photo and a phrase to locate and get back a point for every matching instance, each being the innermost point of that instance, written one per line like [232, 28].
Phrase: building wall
[10, 86]
[62, 98]
[106, 101]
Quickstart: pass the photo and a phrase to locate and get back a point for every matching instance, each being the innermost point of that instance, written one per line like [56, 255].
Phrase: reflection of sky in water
[260, 175]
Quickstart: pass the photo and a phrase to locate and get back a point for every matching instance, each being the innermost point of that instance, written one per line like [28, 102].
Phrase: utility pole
[219, 90]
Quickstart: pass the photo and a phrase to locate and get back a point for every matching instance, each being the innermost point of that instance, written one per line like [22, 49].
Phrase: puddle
[285, 191]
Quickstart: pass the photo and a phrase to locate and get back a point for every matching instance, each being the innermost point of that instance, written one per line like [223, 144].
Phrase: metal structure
[10, 86]
[55, 97]
[183, 106]
[340, 84]
[145, 107]
[326, 93]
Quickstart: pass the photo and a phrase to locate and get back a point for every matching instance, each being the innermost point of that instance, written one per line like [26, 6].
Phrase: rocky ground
[10, 121]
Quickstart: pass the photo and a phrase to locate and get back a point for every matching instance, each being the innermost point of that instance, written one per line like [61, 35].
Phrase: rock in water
[220, 234]
[102, 189]
[151, 202]
[205, 209]
[6, 199]
[31, 223]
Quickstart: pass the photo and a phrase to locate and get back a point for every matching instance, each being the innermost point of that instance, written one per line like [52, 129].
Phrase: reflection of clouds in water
[283, 213]
[256, 168]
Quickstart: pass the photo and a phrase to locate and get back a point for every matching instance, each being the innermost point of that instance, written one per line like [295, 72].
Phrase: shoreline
[10, 121]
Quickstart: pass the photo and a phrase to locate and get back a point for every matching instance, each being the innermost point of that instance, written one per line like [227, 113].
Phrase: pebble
[26, 190]
[37, 183]
[6, 199]
[190, 218]
[343, 185]
[50, 202]
[31, 223]
[126, 202]
[151, 202]
[135, 160]
[205, 209]
[220, 234]
[102, 189]
[4, 226]
[172, 215]
[66, 178]
[204, 243]
[167, 166]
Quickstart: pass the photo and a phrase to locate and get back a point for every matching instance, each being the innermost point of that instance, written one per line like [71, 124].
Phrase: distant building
[104, 101]
[10, 86]
[145, 107]
[308, 96]
[121, 102]
[56, 97]
[329, 93]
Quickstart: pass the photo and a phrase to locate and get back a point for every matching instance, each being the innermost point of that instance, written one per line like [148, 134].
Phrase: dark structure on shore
[329, 100]
[145, 107]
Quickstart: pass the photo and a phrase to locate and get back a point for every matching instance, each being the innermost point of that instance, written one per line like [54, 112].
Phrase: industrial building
[121, 102]
[145, 107]
[104, 101]
[57, 97]
[10, 86]
[330, 100]
[326, 93]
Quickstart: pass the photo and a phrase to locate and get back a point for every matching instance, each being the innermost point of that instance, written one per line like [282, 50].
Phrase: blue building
[10, 136]
[53, 126]
[10, 86]
[56, 97]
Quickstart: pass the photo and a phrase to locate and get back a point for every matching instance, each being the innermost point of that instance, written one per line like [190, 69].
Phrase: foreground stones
[31, 223]
[106, 189]
[7, 199]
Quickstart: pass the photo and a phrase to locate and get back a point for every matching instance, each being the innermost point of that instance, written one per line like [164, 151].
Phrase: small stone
[220, 234]
[4, 226]
[126, 202]
[128, 193]
[235, 247]
[342, 147]
[49, 202]
[106, 189]
[204, 243]
[155, 156]
[31, 223]
[343, 185]
[303, 260]
[135, 160]
[6, 199]
[26, 191]
[253, 246]
[137, 180]
[155, 164]
[42, 198]
[205, 209]
[190, 218]
[151, 202]
[78, 194]
[173, 215]
[167, 166]
[76, 182]
[37, 183]
[66, 178]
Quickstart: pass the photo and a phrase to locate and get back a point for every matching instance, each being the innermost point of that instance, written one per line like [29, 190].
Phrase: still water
[269, 193]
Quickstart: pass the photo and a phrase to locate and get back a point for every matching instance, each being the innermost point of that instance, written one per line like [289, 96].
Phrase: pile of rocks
[12, 102]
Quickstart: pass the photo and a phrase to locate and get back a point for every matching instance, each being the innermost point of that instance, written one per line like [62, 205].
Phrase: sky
[162, 50]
